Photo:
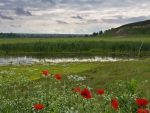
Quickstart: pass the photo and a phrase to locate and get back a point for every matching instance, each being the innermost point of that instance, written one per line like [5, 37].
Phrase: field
[138, 46]
[115, 39]
[24, 88]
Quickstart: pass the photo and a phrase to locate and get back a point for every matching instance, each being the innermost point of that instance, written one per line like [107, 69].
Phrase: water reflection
[30, 60]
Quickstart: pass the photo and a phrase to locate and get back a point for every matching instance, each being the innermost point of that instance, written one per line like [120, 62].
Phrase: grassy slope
[106, 73]
[136, 32]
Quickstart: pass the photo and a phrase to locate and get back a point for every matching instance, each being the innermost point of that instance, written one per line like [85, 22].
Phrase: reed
[77, 46]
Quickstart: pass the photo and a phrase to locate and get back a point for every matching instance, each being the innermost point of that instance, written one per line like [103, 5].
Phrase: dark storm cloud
[6, 17]
[61, 22]
[120, 19]
[21, 11]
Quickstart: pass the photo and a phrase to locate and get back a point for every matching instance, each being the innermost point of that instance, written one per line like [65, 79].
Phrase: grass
[24, 86]
[75, 45]
[97, 38]
[32, 71]
[99, 74]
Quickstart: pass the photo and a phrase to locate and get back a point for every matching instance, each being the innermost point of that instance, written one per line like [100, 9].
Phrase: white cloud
[70, 16]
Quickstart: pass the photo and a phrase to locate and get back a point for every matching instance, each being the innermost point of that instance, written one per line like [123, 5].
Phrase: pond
[28, 60]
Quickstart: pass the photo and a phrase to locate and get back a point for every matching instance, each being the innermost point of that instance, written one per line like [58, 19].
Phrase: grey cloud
[21, 11]
[135, 19]
[61, 22]
[92, 21]
[79, 23]
[6, 17]
[77, 17]
[96, 9]
[113, 19]
[12, 26]
[77, 5]
[15, 26]
[50, 1]
[120, 19]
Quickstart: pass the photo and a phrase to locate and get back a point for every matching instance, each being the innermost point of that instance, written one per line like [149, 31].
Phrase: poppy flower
[142, 111]
[100, 91]
[86, 93]
[77, 89]
[38, 106]
[46, 73]
[141, 102]
[114, 104]
[58, 76]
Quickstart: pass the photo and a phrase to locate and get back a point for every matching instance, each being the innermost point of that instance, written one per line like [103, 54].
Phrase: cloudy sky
[69, 16]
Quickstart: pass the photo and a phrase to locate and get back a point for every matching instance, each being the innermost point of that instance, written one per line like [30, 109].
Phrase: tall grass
[77, 46]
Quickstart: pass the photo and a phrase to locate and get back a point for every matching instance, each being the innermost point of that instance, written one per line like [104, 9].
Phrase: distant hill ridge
[132, 27]
[137, 28]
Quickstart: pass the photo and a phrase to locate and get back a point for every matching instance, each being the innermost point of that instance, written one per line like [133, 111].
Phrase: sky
[69, 16]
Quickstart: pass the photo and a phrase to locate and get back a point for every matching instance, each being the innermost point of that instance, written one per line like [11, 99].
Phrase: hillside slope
[131, 29]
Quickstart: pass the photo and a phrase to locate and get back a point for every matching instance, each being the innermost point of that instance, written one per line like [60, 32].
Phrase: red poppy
[58, 76]
[100, 91]
[46, 73]
[77, 89]
[142, 111]
[141, 102]
[38, 106]
[86, 93]
[114, 104]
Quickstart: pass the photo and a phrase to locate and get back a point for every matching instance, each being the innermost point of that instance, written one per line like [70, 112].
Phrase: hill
[131, 29]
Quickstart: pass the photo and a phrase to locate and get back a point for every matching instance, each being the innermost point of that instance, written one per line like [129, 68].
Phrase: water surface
[24, 60]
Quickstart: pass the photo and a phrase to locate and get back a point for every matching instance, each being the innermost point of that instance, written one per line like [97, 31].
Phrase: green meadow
[96, 38]
[98, 74]
[96, 70]
[23, 86]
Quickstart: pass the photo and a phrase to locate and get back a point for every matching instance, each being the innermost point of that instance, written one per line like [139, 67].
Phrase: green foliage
[124, 92]
[21, 87]
[76, 46]
[58, 96]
